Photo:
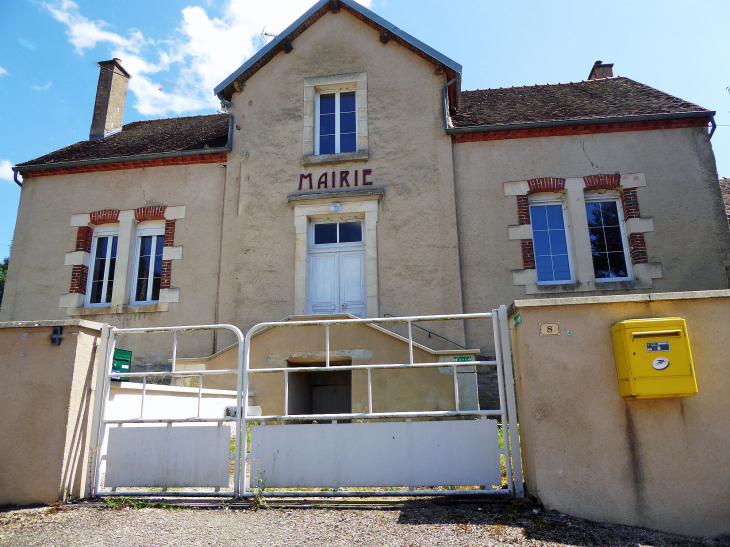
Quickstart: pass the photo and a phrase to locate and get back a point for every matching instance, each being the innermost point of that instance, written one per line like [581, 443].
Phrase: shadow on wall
[47, 397]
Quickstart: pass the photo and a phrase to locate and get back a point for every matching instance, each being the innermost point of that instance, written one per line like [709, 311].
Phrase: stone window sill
[119, 309]
[360, 155]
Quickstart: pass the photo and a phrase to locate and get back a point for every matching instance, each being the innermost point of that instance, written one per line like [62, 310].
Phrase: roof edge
[122, 159]
[446, 61]
[581, 121]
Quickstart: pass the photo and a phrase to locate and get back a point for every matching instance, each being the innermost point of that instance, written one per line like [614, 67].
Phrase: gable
[285, 42]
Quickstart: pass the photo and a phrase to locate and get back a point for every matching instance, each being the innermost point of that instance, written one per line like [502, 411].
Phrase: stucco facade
[438, 213]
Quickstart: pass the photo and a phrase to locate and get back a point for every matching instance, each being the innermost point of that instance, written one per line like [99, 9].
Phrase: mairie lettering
[336, 179]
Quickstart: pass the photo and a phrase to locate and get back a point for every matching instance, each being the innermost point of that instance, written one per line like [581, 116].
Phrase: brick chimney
[600, 70]
[111, 95]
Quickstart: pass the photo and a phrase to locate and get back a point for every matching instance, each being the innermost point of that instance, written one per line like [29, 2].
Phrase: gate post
[509, 387]
[103, 353]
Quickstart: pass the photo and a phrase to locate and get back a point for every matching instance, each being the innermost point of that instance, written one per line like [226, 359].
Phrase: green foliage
[123, 502]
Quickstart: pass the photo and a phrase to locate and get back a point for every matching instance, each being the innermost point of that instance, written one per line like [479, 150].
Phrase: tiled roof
[725, 189]
[147, 137]
[607, 97]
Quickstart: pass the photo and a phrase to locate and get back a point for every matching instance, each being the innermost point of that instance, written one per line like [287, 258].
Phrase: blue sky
[178, 51]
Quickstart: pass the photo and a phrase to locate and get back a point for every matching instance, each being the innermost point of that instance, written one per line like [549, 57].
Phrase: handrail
[430, 333]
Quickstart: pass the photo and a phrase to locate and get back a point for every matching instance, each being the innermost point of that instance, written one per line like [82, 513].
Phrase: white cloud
[3, 72]
[6, 170]
[41, 87]
[177, 74]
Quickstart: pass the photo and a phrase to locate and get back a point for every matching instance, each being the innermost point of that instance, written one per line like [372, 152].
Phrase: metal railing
[503, 362]
[506, 412]
[431, 333]
[109, 335]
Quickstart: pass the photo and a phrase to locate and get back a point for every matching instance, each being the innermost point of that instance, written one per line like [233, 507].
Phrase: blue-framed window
[551, 243]
[336, 123]
[609, 248]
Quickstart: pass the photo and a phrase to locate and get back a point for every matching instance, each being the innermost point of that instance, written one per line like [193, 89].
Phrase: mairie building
[352, 174]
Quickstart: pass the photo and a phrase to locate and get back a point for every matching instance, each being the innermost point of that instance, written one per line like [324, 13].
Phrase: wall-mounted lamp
[56, 336]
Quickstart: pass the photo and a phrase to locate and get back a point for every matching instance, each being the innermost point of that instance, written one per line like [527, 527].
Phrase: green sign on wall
[463, 358]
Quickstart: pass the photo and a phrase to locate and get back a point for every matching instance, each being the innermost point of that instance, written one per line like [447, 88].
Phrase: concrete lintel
[361, 195]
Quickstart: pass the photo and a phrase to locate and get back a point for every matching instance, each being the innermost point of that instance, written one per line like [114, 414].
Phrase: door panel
[323, 285]
[352, 283]
[337, 283]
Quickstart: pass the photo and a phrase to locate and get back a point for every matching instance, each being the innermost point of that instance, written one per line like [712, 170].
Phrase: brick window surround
[84, 235]
[629, 202]
[167, 264]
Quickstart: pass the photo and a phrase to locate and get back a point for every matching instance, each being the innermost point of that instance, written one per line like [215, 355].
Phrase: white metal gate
[414, 450]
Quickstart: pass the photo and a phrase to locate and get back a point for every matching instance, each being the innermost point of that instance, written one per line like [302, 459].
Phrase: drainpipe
[15, 176]
[714, 126]
[446, 102]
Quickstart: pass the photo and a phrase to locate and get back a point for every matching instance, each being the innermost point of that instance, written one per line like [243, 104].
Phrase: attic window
[335, 118]
[336, 123]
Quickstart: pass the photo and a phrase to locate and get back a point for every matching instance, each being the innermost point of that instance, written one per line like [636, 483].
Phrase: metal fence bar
[327, 350]
[144, 392]
[96, 414]
[168, 373]
[511, 402]
[363, 415]
[174, 350]
[200, 392]
[410, 342]
[370, 391]
[456, 389]
[286, 393]
[502, 405]
[105, 397]
[436, 364]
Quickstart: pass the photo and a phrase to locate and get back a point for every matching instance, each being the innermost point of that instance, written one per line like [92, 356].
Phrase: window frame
[155, 228]
[337, 92]
[336, 246]
[593, 198]
[107, 230]
[544, 201]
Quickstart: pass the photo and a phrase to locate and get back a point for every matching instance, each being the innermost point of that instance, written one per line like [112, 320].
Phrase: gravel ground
[407, 523]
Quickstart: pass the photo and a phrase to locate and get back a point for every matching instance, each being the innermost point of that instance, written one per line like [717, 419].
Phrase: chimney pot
[600, 71]
[111, 97]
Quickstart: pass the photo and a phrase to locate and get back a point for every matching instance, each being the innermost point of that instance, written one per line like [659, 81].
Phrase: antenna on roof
[266, 36]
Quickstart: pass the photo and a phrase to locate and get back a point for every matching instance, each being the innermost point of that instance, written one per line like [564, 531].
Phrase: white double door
[337, 282]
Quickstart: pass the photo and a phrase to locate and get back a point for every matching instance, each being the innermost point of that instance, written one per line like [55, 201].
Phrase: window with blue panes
[336, 123]
[550, 243]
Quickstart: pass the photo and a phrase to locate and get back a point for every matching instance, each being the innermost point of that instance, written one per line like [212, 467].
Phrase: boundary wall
[657, 463]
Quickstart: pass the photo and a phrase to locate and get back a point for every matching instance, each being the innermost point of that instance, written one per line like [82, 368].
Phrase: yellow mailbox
[653, 358]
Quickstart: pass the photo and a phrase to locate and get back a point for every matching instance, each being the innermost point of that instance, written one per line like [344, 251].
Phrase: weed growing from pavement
[258, 501]
[123, 502]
